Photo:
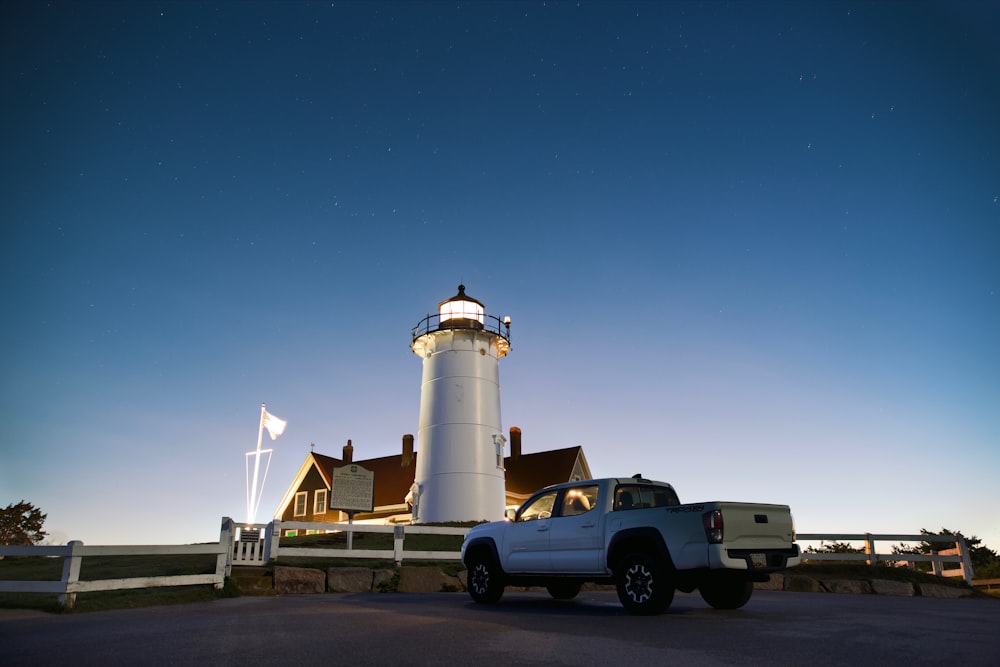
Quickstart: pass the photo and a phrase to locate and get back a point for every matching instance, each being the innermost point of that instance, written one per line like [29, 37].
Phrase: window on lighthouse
[461, 310]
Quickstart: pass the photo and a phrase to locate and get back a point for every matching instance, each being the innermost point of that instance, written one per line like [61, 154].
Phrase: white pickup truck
[634, 533]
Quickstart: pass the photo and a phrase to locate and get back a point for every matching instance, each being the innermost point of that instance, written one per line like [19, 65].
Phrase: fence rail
[959, 553]
[268, 548]
[397, 553]
[74, 553]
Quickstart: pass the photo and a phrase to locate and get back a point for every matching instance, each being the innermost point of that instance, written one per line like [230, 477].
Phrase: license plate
[758, 560]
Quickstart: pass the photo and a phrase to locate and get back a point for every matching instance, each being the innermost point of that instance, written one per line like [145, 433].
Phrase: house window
[300, 503]
[291, 533]
[498, 441]
[319, 503]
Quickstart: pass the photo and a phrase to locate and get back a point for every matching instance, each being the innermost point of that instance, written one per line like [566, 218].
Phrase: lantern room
[462, 312]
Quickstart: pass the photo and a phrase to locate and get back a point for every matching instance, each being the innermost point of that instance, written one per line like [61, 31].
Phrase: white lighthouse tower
[460, 475]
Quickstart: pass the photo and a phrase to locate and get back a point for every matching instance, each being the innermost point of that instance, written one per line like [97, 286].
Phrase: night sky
[752, 249]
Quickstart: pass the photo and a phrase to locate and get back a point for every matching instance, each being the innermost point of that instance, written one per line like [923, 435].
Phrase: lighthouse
[459, 474]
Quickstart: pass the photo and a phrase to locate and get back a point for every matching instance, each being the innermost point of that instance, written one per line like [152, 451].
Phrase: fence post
[70, 574]
[937, 567]
[870, 549]
[224, 564]
[272, 534]
[397, 543]
[963, 551]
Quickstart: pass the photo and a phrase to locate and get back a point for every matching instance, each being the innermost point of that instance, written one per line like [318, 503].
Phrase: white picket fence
[74, 553]
[959, 553]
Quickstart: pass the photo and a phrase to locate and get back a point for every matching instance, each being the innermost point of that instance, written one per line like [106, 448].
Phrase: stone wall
[792, 581]
[418, 579]
[298, 580]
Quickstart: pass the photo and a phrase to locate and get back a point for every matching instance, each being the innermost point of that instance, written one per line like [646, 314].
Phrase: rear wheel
[644, 584]
[726, 590]
[485, 578]
[564, 590]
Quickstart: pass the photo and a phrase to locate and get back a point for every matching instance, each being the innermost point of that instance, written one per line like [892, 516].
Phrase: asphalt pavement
[414, 629]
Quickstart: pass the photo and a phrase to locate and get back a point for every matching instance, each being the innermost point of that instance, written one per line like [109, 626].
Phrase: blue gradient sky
[748, 248]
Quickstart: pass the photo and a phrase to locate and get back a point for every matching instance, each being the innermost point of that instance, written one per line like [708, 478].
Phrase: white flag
[275, 426]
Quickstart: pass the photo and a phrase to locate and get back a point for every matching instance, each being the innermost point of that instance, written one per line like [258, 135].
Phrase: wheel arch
[637, 539]
[482, 545]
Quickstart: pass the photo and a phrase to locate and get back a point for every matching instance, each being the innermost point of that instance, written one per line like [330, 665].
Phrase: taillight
[713, 526]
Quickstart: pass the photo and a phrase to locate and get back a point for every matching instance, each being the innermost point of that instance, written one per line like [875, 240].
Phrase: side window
[645, 498]
[300, 503]
[641, 496]
[664, 497]
[319, 502]
[579, 500]
[539, 508]
[627, 498]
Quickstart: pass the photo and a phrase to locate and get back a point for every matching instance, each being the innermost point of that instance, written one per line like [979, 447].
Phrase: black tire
[564, 590]
[726, 590]
[485, 578]
[645, 585]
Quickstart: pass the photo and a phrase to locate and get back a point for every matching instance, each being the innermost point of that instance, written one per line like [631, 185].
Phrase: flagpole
[252, 494]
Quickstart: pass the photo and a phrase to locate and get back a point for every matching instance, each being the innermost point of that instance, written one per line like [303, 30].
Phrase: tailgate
[756, 536]
[756, 526]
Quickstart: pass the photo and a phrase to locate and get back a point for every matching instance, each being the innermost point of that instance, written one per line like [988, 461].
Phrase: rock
[414, 579]
[888, 587]
[589, 586]
[253, 580]
[939, 591]
[294, 580]
[802, 584]
[349, 579]
[855, 586]
[385, 581]
[776, 582]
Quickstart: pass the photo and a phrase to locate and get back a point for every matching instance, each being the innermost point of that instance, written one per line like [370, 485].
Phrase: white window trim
[304, 497]
[319, 501]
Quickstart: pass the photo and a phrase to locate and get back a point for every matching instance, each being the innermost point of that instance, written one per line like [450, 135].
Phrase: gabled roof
[307, 465]
[530, 472]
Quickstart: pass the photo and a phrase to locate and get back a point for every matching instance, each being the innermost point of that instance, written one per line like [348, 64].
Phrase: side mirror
[511, 513]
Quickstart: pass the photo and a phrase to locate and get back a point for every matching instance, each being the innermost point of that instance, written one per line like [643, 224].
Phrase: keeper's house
[308, 496]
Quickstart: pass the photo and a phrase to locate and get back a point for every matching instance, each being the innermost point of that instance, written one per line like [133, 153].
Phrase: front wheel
[726, 590]
[485, 579]
[644, 584]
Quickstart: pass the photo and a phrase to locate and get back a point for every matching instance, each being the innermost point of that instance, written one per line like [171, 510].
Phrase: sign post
[353, 491]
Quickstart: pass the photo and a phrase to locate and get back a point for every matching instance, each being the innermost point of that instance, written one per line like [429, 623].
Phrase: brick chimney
[348, 452]
[515, 443]
[407, 451]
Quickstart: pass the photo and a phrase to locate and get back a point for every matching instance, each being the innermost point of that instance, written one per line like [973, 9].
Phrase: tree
[835, 548]
[21, 525]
